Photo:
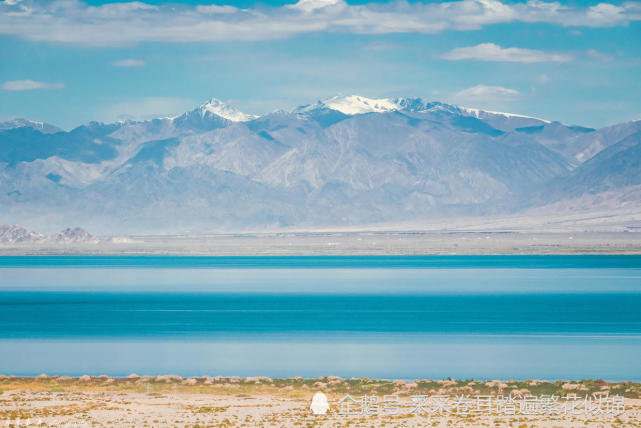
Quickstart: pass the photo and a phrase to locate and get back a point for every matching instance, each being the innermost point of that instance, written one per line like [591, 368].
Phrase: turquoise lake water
[546, 317]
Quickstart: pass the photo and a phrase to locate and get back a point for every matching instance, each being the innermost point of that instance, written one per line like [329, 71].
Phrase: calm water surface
[393, 317]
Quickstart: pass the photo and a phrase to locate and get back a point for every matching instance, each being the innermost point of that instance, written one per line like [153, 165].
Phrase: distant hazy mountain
[342, 161]
[15, 234]
[614, 168]
[45, 128]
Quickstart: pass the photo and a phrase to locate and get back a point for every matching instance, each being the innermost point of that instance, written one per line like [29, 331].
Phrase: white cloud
[492, 52]
[73, 21]
[29, 85]
[128, 63]
[599, 56]
[213, 9]
[542, 79]
[312, 5]
[605, 15]
[382, 46]
[484, 93]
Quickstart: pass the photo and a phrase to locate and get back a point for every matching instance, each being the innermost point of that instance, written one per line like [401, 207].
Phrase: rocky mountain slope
[343, 161]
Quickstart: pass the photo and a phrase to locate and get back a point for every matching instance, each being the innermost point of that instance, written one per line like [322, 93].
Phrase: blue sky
[68, 62]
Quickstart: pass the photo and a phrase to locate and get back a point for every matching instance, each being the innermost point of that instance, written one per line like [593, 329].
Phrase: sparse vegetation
[299, 387]
[261, 401]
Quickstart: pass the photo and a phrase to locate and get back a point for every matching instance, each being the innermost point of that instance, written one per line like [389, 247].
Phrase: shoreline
[260, 401]
[331, 385]
[347, 244]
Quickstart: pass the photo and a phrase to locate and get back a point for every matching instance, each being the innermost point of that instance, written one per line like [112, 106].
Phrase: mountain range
[344, 161]
[15, 234]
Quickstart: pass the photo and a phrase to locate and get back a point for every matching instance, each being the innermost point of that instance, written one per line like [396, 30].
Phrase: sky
[68, 62]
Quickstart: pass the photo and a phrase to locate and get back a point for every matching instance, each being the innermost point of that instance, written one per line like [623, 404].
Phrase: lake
[405, 317]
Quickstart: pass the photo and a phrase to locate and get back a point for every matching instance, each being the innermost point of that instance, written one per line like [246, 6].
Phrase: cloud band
[492, 52]
[29, 85]
[72, 21]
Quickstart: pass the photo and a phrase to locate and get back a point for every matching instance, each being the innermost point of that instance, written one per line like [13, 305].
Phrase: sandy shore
[237, 402]
[349, 243]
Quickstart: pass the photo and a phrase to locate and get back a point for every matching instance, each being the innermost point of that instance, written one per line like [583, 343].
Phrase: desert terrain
[172, 401]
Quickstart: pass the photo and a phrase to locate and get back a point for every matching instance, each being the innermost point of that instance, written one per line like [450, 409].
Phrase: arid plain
[172, 401]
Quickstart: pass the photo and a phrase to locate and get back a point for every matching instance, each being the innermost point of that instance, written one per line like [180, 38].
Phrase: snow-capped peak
[225, 111]
[355, 104]
[417, 104]
[479, 114]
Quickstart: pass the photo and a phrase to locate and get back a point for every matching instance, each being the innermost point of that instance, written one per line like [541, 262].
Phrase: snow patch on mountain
[347, 160]
[354, 104]
[43, 127]
[225, 111]
[479, 114]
